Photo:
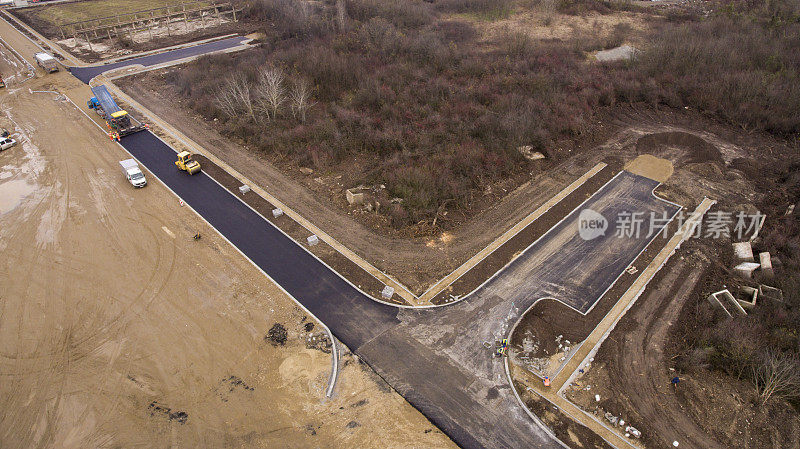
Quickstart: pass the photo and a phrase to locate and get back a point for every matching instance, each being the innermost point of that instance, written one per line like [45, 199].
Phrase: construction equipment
[118, 121]
[46, 62]
[186, 163]
[2, 82]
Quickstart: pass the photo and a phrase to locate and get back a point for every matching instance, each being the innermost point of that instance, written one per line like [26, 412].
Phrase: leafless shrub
[777, 375]
[341, 15]
[301, 99]
[270, 91]
[234, 96]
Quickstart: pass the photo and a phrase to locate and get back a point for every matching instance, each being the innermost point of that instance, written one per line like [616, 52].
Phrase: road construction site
[130, 356]
[118, 328]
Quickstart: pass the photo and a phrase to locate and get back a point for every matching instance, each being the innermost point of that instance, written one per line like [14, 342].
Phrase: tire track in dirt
[639, 366]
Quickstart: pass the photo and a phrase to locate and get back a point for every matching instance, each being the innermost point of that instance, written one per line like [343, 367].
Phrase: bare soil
[632, 373]
[118, 329]
[565, 429]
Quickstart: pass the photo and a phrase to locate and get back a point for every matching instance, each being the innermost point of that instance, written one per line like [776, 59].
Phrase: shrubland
[436, 111]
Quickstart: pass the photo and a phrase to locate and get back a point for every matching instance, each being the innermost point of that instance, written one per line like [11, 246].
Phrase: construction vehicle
[2, 82]
[46, 62]
[118, 121]
[186, 163]
[132, 173]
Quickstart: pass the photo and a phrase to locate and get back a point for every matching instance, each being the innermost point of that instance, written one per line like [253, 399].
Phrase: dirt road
[117, 329]
[636, 359]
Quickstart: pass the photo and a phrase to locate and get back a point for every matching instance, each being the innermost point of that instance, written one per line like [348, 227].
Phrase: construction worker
[546, 381]
[674, 382]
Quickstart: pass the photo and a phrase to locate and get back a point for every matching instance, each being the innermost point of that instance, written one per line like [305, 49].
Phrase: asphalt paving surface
[435, 358]
[87, 73]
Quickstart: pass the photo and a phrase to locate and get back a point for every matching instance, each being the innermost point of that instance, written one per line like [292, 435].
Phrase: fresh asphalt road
[433, 357]
[575, 271]
[87, 73]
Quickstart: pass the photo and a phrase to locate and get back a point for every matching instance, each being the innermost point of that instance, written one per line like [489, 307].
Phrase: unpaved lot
[632, 373]
[117, 329]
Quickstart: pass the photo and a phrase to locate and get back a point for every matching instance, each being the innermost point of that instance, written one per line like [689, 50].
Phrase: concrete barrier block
[765, 260]
[244, 189]
[746, 269]
[387, 292]
[354, 197]
[743, 251]
[748, 297]
[775, 294]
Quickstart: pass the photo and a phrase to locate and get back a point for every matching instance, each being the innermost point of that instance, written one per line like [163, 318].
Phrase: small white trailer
[132, 173]
[46, 62]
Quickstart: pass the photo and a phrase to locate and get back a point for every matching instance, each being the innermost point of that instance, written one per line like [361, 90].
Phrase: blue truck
[119, 122]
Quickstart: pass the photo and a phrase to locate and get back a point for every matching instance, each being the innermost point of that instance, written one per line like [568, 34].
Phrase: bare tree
[270, 90]
[301, 99]
[235, 96]
[777, 375]
[341, 15]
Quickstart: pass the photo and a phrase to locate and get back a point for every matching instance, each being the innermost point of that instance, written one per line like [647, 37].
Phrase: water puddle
[13, 192]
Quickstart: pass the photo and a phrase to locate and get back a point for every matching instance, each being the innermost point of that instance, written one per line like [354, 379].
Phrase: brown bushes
[735, 66]
[410, 94]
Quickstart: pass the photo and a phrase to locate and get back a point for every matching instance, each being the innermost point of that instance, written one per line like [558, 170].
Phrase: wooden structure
[173, 17]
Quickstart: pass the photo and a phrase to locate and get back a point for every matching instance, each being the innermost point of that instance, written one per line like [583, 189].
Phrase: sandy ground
[117, 329]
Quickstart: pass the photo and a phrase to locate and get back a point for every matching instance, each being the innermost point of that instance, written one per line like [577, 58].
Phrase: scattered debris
[633, 431]
[387, 292]
[621, 53]
[306, 170]
[312, 240]
[724, 300]
[179, 416]
[775, 294]
[750, 295]
[528, 153]
[277, 213]
[277, 335]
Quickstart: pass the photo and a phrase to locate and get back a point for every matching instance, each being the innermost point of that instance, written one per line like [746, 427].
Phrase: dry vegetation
[762, 347]
[424, 104]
